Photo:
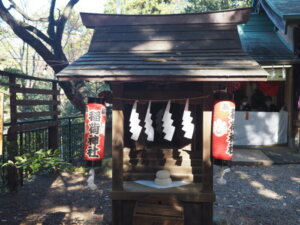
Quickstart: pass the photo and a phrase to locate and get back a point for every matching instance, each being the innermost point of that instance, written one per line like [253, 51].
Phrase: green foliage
[173, 6]
[76, 37]
[39, 162]
[213, 5]
[147, 6]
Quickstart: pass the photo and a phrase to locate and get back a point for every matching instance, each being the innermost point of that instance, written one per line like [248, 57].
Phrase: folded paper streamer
[168, 128]
[149, 130]
[188, 126]
[134, 125]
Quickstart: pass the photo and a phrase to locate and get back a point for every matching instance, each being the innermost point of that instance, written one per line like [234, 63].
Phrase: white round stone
[163, 182]
[163, 174]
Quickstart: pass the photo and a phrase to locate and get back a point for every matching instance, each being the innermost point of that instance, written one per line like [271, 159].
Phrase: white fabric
[261, 128]
[150, 183]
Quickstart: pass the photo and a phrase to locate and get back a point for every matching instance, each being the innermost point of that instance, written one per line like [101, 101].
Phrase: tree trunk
[74, 90]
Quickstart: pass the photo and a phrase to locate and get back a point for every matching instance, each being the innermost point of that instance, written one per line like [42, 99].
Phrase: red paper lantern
[222, 137]
[94, 135]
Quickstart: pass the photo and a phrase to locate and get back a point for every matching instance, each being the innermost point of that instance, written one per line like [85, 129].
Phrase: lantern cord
[163, 100]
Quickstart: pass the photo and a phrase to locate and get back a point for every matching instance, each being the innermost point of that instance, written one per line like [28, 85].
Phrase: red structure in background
[222, 133]
[94, 136]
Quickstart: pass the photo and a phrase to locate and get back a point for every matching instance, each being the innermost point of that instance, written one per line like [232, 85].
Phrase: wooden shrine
[162, 58]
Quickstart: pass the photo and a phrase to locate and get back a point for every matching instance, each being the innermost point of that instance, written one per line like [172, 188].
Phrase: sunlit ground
[59, 199]
[260, 195]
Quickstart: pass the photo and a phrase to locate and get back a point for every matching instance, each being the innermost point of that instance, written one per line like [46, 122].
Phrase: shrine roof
[261, 41]
[182, 47]
[284, 10]
[281, 12]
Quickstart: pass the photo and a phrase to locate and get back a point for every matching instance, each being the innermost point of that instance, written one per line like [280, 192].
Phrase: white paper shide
[134, 123]
[188, 126]
[168, 128]
[149, 130]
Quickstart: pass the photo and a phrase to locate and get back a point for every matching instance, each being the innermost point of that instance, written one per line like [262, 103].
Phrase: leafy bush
[40, 162]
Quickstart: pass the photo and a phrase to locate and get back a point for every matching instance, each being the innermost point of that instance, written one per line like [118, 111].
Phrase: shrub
[40, 162]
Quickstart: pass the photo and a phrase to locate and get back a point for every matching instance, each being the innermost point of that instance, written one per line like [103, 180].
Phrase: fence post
[12, 134]
[53, 130]
[1, 122]
[69, 140]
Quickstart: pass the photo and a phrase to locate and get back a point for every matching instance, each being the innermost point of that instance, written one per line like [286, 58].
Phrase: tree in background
[173, 6]
[212, 5]
[146, 6]
[48, 43]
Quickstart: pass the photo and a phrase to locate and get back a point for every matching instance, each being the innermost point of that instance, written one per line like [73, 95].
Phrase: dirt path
[252, 196]
[58, 199]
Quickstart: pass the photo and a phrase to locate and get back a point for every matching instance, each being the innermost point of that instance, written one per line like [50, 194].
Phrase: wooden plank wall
[16, 116]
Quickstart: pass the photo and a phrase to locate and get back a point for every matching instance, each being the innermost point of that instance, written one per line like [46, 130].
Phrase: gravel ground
[58, 199]
[259, 195]
[252, 196]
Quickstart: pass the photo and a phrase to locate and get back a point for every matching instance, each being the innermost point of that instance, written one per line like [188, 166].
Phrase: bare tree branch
[37, 32]
[51, 19]
[54, 56]
[28, 27]
[22, 33]
[63, 19]
[27, 17]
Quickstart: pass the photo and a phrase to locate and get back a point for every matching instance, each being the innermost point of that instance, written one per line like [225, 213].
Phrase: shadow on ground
[58, 199]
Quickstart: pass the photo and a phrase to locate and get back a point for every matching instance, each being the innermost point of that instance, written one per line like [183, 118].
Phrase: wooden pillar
[117, 151]
[117, 138]
[1, 122]
[53, 130]
[12, 133]
[207, 178]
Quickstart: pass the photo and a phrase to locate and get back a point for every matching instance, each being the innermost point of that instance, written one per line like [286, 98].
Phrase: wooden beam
[35, 102]
[1, 122]
[171, 67]
[34, 126]
[33, 114]
[207, 177]
[166, 73]
[159, 78]
[36, 91]
[9, 85]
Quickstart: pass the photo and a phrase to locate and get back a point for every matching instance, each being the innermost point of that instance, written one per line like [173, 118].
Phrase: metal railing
[70, 134]
[71, 131]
